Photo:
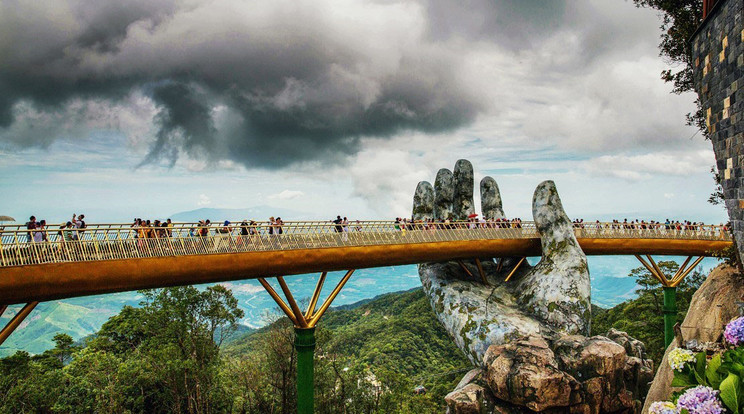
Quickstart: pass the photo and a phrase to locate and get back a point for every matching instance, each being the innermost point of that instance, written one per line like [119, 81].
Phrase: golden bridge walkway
[107, 258]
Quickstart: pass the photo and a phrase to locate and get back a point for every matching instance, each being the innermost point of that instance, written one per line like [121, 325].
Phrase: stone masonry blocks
[718, 71]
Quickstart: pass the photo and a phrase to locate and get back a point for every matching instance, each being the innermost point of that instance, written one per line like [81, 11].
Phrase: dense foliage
[168, 356]
[369, 359]
[162, 357]
[642, 317]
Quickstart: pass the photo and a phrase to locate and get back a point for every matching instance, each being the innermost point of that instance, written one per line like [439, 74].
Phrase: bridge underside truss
[666, 281]
[311, 316]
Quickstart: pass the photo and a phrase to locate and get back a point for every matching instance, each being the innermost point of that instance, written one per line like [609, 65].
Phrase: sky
[151, 107]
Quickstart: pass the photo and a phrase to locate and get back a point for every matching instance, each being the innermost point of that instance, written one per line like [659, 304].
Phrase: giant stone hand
[527, 336]
[553, 296]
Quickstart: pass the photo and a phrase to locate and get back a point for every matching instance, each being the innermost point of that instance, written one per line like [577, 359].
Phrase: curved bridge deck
[109, 258]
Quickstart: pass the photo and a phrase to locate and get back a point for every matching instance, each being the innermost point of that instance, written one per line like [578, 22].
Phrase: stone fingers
[557, 290]
[491, 206]
[444, 193]
[463, 195]
[423, 201]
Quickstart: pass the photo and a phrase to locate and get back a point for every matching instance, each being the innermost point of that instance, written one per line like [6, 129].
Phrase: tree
[680, 19]
[160, 358]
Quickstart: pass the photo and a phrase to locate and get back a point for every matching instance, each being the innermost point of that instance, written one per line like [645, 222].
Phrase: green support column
[670, 314]
[305, 346]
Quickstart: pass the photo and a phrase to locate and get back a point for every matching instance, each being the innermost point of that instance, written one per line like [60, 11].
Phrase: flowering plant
[678, 357]
[700, 400]
[663, 407]
[734, 332]
[709, 385]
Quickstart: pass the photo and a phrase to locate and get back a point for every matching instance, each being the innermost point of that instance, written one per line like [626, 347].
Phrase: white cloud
[639, 167]
[386, 180]
[204, 200]
[286, 195]
[243, 287]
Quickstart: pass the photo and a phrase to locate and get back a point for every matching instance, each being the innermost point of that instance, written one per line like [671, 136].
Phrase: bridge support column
[304, 342]
[670, 313]
[669, 284]
[305, 346]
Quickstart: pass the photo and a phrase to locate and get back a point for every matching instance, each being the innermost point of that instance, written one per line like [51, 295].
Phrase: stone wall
[718, 67]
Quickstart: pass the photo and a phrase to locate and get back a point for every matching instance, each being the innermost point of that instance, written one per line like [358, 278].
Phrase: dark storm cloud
[184, 122]
[265, 85]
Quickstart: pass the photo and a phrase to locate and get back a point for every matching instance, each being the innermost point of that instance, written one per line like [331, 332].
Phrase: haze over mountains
[258, 213]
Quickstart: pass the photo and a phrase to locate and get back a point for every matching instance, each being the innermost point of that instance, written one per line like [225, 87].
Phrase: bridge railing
[19, 246]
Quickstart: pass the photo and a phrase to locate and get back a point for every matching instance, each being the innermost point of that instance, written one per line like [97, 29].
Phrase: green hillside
[77, 317]
[50, 318]
[395, 337]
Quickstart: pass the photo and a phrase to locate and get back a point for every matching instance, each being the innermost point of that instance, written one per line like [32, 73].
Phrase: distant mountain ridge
[258, 213]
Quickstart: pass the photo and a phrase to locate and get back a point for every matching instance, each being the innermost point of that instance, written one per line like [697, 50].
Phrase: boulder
[423, 201]
[466, 400]
[526, 373]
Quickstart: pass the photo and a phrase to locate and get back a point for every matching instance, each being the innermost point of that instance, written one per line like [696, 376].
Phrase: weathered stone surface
[423, 201]
[590, 357]
[557, 290]
[491, 199]
[465, 400]
[463, 196]
[712, 306]
[444, 194]
[475, 315]
[526, 373]
[570, 373]
[472, 376]
[633, 347]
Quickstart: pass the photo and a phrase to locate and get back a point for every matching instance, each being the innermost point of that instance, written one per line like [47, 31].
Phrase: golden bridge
[107, 258]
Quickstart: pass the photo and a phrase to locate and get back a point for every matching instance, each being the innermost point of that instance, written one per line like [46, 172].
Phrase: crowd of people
[68, 231]
[144, 229]
[684, 225]
[472, 222]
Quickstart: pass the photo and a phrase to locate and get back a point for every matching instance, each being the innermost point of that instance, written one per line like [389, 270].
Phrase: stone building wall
[718, 67]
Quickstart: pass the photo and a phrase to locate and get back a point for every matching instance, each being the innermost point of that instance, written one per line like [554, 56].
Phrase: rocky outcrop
[526, 373]
[558, 289]
[525, 335]
[491, 199]
[444, 194]
[569, 373]
[423, 201]
[713, 305]
[463, 201]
